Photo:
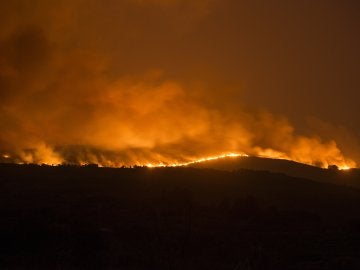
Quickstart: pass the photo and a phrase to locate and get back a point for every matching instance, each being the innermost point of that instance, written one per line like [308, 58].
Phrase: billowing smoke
[87, 82]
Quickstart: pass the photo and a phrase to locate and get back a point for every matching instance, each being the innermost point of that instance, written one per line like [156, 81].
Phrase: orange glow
[45, 155]
[266, 154]
[323, 162]
[344, 168]
[141, 95]
[148, 120]
[160, 164]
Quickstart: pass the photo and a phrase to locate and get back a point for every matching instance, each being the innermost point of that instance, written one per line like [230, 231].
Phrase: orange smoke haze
[148, 120]
[80, 90]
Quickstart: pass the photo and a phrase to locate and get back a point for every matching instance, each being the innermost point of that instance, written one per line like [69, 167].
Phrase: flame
[344, 168]
[268, 153]
[73, 100]
[44, 155]
[148, 120]
[181, 164]
[341, 163]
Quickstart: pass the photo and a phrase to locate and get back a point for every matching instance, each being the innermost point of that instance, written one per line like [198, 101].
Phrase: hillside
[174, 218]
[290, 168]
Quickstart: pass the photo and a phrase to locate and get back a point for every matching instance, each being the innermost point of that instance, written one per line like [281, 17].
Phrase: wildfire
[51, 159]
[344, 168]
[180, 164]
[341, 165]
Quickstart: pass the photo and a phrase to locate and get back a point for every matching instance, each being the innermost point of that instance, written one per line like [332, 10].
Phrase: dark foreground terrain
[174, 218]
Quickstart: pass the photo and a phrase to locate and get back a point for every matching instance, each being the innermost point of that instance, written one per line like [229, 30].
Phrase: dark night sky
[160, 74]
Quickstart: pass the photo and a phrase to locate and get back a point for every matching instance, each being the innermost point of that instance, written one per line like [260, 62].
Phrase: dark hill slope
[207, 185]
[291, 168]
[174, 218]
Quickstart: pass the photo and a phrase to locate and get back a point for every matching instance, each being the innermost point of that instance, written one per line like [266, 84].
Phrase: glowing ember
[6, 156]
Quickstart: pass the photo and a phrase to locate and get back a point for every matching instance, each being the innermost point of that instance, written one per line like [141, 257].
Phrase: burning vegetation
[68, 97]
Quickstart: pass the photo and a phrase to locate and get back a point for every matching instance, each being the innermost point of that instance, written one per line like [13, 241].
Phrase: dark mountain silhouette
[332, 175]
[71, 217]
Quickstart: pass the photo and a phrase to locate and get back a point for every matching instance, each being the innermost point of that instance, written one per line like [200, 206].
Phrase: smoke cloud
[131, 83]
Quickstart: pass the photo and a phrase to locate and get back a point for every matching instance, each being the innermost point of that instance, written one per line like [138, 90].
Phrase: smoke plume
[116, 84]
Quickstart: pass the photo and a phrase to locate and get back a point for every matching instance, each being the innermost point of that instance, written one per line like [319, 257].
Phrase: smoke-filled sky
[122, 82]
